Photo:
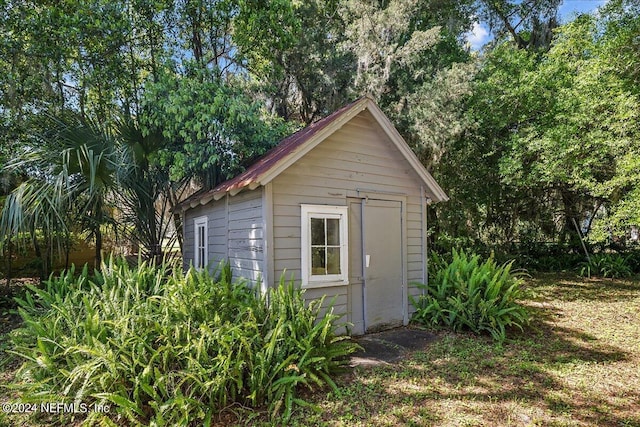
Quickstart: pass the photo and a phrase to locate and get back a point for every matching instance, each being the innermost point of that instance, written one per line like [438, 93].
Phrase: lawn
[578, 364]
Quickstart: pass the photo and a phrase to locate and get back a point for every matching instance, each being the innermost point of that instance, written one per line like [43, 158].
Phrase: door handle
[367, 260]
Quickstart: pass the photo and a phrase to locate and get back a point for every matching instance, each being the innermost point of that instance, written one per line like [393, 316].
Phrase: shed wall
[359, 156]
[245, 235]
[235, 233]
[189, 234]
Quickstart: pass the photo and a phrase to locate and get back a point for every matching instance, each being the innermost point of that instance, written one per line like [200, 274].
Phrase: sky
[479, 35]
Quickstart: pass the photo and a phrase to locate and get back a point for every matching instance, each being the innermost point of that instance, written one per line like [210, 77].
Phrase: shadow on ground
[572, 288]
[390, 346]
[562, 370]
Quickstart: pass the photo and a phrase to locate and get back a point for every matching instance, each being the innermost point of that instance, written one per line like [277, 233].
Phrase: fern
[467, 293]
[610, 265]
[170, 348]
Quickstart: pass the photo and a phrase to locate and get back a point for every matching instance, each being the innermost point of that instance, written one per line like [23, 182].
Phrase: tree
[555, 137]
[529, 24]
[72, 171]
[147, 195]
[410, 58]
[292, 49]
[99, 63]
[213, 127]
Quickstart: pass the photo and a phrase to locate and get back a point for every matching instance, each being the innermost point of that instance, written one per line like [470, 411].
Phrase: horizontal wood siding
[217, 233]
[415, 257]
[336, 295]
[359, 156]
[245, 235]
[235, 234]
[189, 236]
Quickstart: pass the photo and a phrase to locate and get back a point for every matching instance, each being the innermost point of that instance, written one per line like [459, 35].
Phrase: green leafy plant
[467, 293]
[612, 265]
[163, 347]
[558, 261]
[633, 260]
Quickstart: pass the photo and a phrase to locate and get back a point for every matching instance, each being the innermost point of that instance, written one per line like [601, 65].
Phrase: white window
[201, 255]
[324, 245]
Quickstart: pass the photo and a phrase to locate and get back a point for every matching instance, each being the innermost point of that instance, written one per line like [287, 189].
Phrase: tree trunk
[38, 253]
[593, 216]
[176, 216]
[9, 260]
[568, 235]
[47, 255]
[67, 249]
[98, 257]
[156, 240]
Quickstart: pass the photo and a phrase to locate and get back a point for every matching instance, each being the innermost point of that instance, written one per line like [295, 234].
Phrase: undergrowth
[163, 347]
[609, 265]
[467, 293]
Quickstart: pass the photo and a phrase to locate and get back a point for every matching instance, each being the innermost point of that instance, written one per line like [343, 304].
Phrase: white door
[383, 287]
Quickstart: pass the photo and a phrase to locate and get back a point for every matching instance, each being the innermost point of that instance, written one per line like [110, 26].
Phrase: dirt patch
[390, 346]
[9, 319]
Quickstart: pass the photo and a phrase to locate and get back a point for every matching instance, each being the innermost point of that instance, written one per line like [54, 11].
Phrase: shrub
[558, 262]
[468, 293]
[172, 348]
[633, 260]
[611, 265]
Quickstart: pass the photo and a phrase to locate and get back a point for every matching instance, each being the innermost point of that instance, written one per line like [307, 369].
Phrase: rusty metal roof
[296, 145]
[250, 178]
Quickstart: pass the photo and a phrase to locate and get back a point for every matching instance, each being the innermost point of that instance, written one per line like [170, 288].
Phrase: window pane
[333, 261]
[318, 261]
[200, 246]
[333, 231]
[317, 231]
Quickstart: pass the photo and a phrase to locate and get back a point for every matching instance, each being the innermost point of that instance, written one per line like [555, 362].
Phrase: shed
[340, 206]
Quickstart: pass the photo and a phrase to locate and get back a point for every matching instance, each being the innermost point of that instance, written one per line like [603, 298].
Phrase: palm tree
[77, 172]
[147, 192]
[8, 182]
[90, 157]
[71, 172]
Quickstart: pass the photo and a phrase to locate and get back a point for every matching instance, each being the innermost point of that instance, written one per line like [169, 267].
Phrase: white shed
[340, 206]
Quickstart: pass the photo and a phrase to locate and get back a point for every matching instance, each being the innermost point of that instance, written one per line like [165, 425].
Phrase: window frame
[308, 212]
[198, 222]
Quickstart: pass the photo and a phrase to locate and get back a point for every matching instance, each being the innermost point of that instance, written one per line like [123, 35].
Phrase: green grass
[577, 364]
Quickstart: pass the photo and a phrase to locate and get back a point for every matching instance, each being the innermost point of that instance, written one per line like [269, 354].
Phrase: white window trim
[199, 222]
[323, 211]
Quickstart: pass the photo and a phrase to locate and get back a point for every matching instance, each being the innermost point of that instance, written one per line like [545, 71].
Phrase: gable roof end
[292, 148]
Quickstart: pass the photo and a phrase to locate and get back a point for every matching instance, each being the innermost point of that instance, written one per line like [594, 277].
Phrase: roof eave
[311, 143]
[286, 161]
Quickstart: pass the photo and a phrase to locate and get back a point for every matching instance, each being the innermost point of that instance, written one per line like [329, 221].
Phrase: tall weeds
[170, 348]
